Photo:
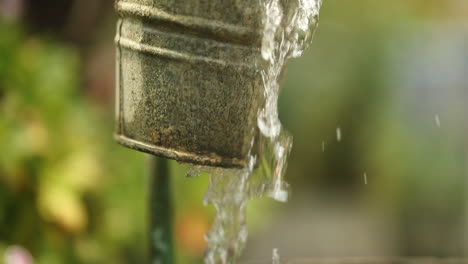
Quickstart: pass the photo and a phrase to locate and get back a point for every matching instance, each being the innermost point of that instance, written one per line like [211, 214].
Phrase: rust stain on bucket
[187, 84]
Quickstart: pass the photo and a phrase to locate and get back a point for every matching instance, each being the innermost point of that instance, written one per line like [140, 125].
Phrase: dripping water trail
[287, 32]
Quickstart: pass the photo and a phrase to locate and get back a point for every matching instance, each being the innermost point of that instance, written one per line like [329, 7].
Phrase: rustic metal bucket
[187, 83]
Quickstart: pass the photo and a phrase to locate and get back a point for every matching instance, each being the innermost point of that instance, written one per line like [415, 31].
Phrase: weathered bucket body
[187, 83]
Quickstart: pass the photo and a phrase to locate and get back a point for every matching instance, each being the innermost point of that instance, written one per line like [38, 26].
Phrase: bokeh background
[391, 75]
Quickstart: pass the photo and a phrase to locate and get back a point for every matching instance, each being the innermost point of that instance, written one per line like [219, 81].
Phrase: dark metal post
[160, 214]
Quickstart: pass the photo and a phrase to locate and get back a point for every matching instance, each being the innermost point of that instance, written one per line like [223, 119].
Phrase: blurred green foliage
[60, 195]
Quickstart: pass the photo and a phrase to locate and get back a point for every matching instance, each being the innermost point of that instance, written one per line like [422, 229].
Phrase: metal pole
[160, 205]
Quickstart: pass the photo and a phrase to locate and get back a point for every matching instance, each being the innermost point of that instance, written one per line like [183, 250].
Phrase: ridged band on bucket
[187, 83]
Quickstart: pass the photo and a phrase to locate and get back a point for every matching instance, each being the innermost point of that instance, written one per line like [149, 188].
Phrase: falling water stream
[288, 31]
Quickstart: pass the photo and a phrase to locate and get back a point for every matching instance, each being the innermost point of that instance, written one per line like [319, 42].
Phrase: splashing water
[288, 31]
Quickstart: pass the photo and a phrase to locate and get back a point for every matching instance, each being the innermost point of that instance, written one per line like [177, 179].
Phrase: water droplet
[365, 178]
[338, 134]
[276, 257]
[437, 120]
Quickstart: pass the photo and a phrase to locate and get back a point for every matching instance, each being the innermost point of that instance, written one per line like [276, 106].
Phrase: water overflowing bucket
[187, 85]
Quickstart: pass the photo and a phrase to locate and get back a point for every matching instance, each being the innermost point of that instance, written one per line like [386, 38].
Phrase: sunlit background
[391, 77]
